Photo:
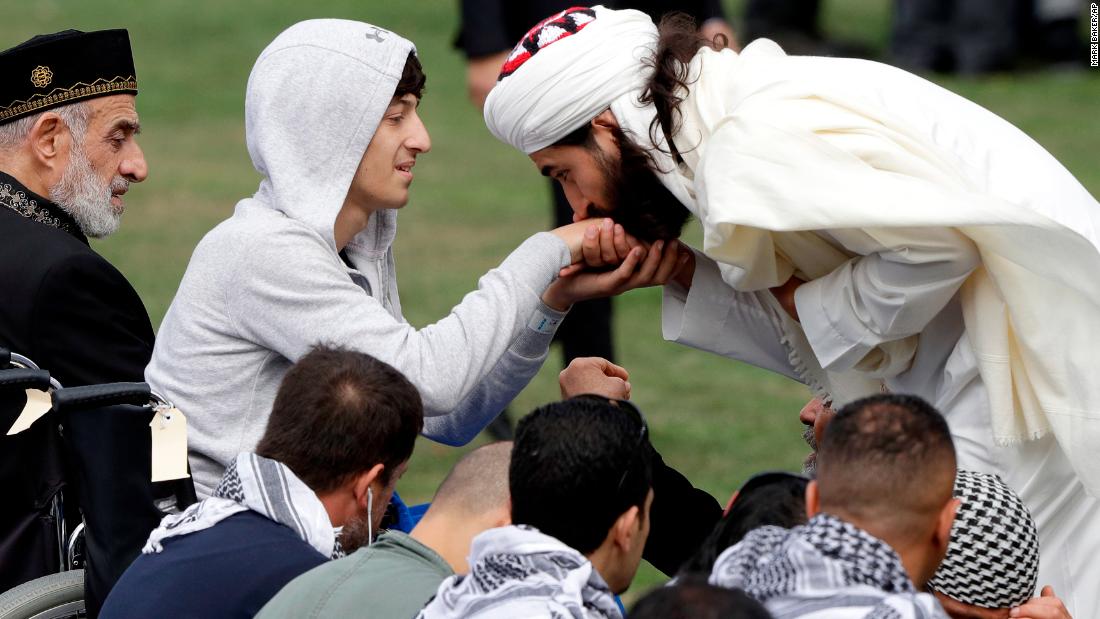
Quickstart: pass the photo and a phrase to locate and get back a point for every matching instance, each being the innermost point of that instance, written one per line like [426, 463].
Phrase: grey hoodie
[267, 284]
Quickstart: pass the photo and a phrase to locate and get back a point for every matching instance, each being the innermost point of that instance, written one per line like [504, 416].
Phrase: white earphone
[370, 516]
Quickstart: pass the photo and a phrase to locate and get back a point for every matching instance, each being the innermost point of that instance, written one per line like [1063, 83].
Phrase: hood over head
[315, 97]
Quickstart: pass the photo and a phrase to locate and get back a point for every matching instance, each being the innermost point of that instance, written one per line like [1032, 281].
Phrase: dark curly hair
[412, 78]
[677, 43]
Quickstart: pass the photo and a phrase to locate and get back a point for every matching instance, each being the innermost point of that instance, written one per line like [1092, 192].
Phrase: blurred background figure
[795, 26]
[984, 36]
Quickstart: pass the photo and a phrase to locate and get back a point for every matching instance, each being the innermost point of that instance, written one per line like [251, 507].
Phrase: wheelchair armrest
[94, 396]
[25, 379]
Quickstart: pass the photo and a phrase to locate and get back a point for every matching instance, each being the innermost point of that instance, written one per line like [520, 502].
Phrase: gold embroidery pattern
[41, 76]
[27, 207]
[79, 90]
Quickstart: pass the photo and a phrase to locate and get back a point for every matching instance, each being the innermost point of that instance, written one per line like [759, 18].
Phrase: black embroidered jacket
[63, 305]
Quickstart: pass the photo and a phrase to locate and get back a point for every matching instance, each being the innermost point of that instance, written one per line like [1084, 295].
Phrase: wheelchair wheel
[55, 596]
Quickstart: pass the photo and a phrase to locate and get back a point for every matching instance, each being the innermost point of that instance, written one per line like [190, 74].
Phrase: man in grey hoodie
[332, 126]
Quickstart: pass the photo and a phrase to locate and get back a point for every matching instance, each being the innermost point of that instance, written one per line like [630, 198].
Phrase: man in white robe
[864, 230]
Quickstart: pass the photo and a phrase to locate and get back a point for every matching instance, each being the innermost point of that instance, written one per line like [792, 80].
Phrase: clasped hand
[607, 261]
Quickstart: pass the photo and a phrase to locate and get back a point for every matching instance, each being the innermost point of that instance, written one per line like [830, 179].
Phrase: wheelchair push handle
[94, 396]
[5, 357]
[25, 379]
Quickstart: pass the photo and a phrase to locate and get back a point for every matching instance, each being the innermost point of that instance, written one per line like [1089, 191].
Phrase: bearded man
[864, 230]
[67, 155]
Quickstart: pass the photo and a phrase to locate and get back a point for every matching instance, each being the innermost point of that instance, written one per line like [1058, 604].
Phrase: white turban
[569, 78]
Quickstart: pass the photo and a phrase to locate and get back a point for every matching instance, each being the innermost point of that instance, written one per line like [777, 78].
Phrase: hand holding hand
[640, 269]
[594, 375]
[597, 242]
[607, 245]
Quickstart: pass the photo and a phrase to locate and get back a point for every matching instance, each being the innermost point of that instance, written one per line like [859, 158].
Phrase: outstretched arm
[702, 311]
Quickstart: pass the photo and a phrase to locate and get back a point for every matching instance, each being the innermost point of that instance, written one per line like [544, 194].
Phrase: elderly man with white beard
[67, 155]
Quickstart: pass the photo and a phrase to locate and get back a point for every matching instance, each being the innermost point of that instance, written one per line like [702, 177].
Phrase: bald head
[887, 464]
[478, 483]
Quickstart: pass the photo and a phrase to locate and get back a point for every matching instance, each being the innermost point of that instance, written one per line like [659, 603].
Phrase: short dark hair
[412, 78]
[577, 465]
[776, 499]
[886, 459]
[694, 598]
[338, 413]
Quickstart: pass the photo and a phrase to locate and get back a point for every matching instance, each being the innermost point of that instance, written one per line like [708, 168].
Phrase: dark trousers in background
[779, 19]
[976, 36]
[586, 331]
[982, 36]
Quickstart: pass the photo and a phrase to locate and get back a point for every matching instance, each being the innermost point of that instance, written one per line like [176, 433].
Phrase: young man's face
[385, 172]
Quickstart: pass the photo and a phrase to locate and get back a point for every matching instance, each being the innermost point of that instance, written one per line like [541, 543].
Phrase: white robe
[893, 307]
[713, 316]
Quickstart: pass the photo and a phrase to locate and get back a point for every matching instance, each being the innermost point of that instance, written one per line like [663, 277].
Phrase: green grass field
[473, 201]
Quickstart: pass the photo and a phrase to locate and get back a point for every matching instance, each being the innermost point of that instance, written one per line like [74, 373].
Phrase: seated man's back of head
[881, 513]
[888, 466]
[340, 432]
[581, 485]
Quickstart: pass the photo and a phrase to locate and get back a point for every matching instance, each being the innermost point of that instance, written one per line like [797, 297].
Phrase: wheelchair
[79, 503]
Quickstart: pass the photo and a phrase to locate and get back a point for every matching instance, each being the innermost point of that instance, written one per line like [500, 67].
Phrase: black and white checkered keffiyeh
[267, 487]
[517, 571]
[993, 558]
[825, 565]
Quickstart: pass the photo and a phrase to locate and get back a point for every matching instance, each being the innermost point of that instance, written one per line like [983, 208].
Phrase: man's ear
[48, 139]
[605, 120]
[363, 481]
[628, 529]
[501, 517]
[507, 513]
[813, 501]
[942, 534]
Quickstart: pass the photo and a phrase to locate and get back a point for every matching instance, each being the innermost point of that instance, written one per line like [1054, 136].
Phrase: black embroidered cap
[51, 70]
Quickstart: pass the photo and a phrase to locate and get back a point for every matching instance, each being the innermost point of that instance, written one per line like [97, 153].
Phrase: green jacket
[392, 578]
